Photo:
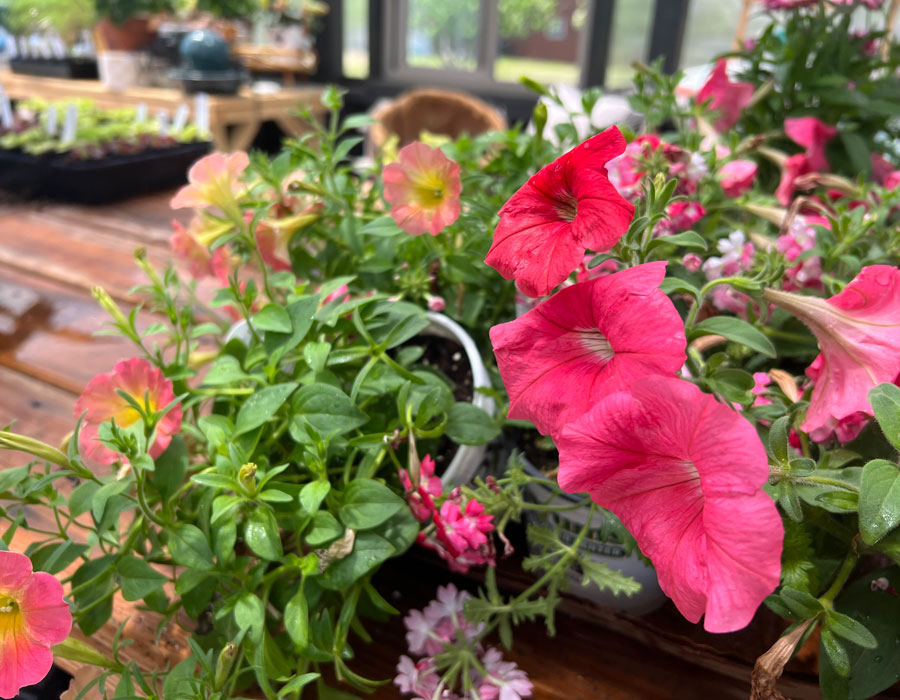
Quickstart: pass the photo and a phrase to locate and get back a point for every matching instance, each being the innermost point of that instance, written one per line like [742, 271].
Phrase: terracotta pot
[134, 35]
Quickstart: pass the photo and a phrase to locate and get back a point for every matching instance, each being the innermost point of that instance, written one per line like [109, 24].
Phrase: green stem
[840, 579]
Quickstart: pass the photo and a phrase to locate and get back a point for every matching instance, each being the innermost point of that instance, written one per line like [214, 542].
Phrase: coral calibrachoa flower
[858, 332]
[192, 246]
[565, 208]
[99, 403]
[684, 474]
[587, 341]
[813, 135]
[727, 98]
[214, 182]
[423, 188]
[737, 176]
[33, 617]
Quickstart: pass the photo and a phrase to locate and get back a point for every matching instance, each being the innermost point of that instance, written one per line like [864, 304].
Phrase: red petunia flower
[587, 341]
[813, 134]
[684, 474]
[565, 208]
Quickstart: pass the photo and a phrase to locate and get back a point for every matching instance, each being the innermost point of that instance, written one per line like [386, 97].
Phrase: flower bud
[108, 305]
[247, 476]
[540, 118]
[225, 663]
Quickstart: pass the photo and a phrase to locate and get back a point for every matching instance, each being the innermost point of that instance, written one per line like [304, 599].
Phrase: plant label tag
[181, 117]
[70, 124]
[162, 119]
[52, 120]
[58, 47]
[23, 47]
[201, 112]
[6, 114]
[140, 113]
[12, 46]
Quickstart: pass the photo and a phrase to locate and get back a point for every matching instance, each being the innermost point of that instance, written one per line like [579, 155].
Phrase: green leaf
[382, 226]
[400, 530]
[171, 468]
[262, 535]
[369, 551]
[137, 578]
[82, 497]
[261, 406]
[367, 503]
[180, 680]
[189, 547]
[312, 495]
[299, 682]
[325, 528]
[469, 425]
[885, 400]
[250, 616]
[104, 493]
[872, 670]
[879, 500]
[801, 602]
[326, 408]
[607, 579]
[225, 370]
[670, 285]
[55, 557]
[851, 630]
[273, 318]
[686, 239]
[736, 330]
[835, 652]
[296, 620]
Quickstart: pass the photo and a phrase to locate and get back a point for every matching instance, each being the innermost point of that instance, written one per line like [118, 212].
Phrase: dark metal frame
[666, 38]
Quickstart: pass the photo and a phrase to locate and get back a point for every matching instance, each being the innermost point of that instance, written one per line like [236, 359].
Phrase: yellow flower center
[11, 621]
[128, 416]
[430, 191]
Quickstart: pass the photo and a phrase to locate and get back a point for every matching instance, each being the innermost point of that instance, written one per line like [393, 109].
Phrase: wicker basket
[437, 111]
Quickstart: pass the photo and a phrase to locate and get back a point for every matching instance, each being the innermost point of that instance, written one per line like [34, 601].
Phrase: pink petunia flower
[858, 332]
[727, 98]
[684, 474]
[33, 617]
[586, 341]
[214, 182]
[692, 262]
[682, 215]
[737, 177]
[565, 208]
[627, 170]
[761, 382]
[99, 402]
[884, 172]
[422, 186]
[802, 273]
[813, 135]
[793, 167]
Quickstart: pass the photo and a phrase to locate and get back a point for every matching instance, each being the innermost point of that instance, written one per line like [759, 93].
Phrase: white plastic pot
[120, 70]
[468, 458]
[602, 551]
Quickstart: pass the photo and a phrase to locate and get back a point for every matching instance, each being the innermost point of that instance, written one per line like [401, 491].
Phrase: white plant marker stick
[201, 112]
[140, 114]
[162, 117]
[70, 125]
[6, 113]
[181, 117]
[52, 120]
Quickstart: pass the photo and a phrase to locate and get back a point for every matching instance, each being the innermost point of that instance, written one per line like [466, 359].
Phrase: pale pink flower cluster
[441, 625]
[458, 530]
[737, 257]
[805, 273]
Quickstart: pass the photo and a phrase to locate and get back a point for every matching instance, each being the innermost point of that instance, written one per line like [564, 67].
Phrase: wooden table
[53, 255]
[234, 120]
